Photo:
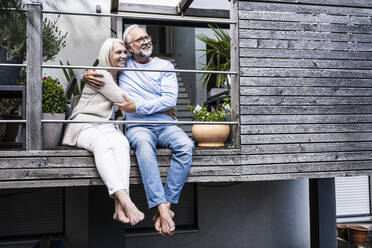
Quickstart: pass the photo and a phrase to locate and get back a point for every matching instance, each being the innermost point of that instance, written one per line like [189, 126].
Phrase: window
[352, 196]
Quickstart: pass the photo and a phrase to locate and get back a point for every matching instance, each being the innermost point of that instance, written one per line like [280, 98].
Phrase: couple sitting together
[143, 96]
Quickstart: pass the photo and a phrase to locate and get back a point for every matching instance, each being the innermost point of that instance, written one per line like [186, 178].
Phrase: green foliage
[54, 98]
[53, 39]
[219, 114]
[9, 106]
[218, 50]
[69, 73]
[13, 33]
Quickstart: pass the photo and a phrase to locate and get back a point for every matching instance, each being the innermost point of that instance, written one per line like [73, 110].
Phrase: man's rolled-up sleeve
[167, 98]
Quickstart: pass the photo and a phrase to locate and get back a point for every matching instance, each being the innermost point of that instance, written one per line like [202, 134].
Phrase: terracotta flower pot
[357, 234]
[210, 135]
[341, 231]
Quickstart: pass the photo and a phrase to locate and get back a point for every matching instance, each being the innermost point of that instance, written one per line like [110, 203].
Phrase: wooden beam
[183, 6]
[147, 8]
[69, 152]
[34, 85]
[216, 13]
[114, 6]
[234, 79]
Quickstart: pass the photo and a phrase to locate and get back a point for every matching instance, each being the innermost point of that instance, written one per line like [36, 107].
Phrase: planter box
[52, 131]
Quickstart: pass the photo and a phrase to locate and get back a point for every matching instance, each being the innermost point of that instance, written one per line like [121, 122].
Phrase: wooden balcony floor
[74, 167]
[57, 168]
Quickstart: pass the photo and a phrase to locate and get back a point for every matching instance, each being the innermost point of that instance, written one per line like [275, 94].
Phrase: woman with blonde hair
[105, 140]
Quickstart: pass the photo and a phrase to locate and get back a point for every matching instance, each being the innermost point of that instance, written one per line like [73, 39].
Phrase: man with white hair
[148, 95]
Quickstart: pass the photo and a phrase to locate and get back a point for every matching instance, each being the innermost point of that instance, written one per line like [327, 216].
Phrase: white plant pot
[52, 131]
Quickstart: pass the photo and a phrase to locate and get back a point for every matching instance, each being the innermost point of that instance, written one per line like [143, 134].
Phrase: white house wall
[217, 4]
[85, 34]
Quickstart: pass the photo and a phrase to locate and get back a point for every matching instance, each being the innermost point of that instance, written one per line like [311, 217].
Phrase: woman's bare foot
[119, 214]
[131, 211]
[164, 223]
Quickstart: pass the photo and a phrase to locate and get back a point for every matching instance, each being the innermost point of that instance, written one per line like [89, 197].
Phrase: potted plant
[357, 234]
[13, 40]
[53, 105]
[9, 111]
[211, 135]
[217, 53]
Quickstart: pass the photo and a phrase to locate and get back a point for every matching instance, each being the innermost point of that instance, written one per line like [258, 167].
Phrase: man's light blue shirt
[153, 92]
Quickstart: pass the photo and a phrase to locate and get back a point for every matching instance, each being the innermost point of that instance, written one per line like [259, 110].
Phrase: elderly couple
[143, 96]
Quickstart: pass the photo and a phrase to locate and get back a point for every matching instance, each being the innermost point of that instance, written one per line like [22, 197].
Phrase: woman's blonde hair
[105, 52]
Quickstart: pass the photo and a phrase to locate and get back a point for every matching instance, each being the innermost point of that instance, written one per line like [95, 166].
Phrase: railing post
[234, 58]
[33, 77]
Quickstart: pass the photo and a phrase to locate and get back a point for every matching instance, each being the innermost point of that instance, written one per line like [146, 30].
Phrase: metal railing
[34, 66]
[152, 17]
[147, 122]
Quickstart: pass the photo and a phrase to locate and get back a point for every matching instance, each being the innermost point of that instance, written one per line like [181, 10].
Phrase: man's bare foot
[119, 214]
[164, 223]
[156, 220]
[131, 211]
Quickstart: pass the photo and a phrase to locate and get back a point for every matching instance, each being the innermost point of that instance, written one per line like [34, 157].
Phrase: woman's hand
[93, 78]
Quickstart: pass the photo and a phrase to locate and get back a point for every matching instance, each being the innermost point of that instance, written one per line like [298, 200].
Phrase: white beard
[143, 53]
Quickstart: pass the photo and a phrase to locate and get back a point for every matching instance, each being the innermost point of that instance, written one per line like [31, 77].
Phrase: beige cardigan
[94, 104]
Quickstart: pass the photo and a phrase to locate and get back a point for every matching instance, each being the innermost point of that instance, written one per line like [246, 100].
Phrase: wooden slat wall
[306, 88]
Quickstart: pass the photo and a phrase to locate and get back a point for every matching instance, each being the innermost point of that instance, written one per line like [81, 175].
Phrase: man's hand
[171, 112]
[93, 78]
[128, 106]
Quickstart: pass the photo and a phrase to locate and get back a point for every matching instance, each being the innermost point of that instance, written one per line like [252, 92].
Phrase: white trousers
[111, 153]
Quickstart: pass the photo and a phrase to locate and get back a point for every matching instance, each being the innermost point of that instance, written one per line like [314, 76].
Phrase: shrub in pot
[54, 104]
[213, 135]
[9, 111]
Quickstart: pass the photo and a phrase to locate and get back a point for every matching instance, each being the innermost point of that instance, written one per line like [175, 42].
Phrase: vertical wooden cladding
[305, 85]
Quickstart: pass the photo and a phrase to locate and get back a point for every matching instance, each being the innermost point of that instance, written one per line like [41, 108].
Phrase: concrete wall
[85, 34]
[200, 61]
[255, 214]
[183, 45]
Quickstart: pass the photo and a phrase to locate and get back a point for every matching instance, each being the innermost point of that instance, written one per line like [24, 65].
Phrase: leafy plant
[218, 114]
[218, 52]
[54, 98]
[13, 33]
[9, 106]
[69, 73]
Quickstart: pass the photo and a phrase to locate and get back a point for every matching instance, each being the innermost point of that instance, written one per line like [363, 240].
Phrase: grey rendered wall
[253, 214]
[183, 45]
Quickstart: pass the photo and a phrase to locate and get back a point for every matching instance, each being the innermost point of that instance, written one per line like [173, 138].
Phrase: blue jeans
[144, 139]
